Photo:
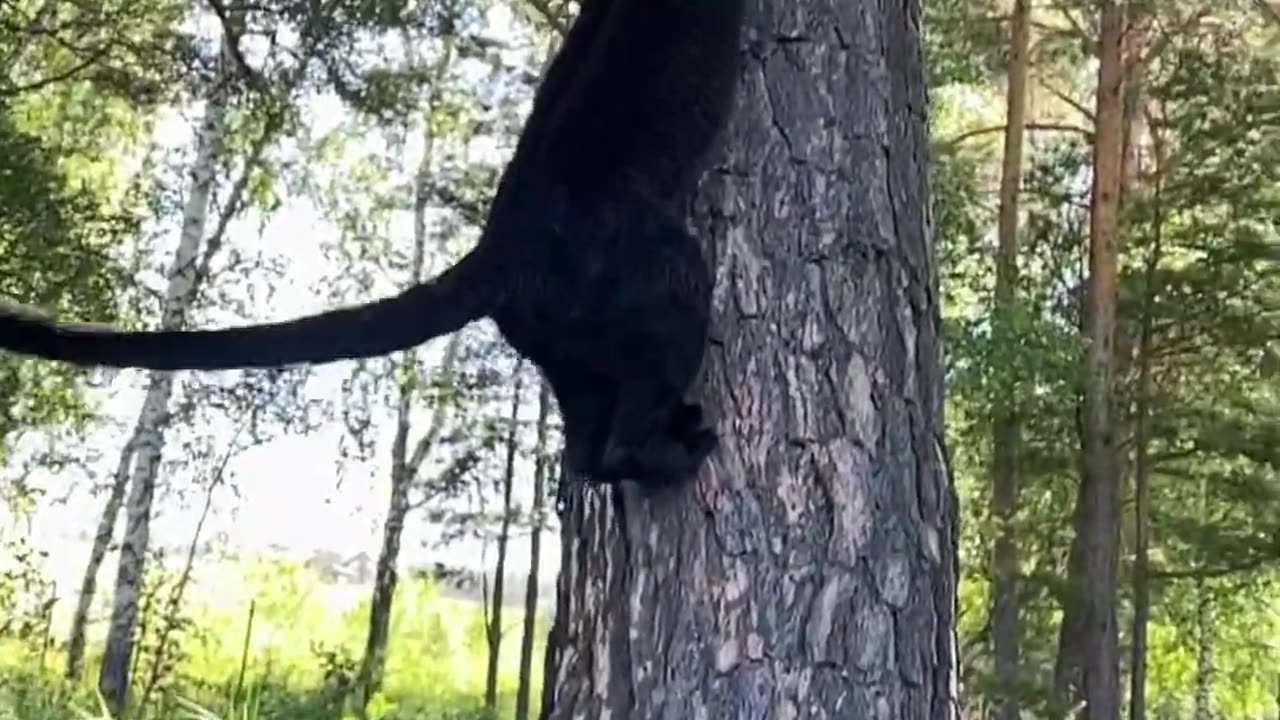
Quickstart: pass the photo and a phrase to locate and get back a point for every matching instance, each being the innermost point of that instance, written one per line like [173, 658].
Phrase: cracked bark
[810, 571]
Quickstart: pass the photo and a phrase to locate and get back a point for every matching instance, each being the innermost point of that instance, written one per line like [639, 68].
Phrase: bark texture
[810, 571]
[1006, 429]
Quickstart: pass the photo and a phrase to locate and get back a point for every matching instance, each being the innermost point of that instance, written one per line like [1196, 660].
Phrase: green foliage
[301, 653]
[959, 39]
[1202, 204]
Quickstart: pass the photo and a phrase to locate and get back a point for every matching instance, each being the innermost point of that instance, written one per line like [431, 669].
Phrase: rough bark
[540, 470]
[147, 443]
[1006, 430]
[1088, 663]
[493, 632]
[810, 570]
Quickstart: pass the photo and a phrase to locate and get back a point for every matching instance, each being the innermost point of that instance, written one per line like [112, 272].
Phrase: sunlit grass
[304, 639]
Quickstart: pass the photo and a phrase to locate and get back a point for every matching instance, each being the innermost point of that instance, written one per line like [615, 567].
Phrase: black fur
[584, 263]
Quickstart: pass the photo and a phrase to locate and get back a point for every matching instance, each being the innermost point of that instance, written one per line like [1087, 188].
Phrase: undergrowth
[274, 641]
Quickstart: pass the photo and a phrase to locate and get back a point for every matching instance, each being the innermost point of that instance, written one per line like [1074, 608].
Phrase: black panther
[584, 263]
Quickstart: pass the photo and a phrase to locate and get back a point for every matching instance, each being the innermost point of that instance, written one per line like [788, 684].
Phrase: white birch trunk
[147, 443]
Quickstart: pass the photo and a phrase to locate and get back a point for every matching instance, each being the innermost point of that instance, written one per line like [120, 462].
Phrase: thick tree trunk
[1006, 431]
[494, 629]
[147, 444]
[540, 471]
[811, 570]
[1088, 645]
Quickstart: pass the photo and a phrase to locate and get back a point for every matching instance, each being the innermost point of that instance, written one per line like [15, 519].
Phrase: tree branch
[1040, 127]
[553, 16]
[1269, 9]
[1075, 105]
[232, 33]
[33, 86]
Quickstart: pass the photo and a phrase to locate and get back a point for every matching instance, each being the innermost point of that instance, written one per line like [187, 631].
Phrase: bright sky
[289, 494]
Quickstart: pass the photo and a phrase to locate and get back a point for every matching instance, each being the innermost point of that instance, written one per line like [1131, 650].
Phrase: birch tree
[446, 187]
[270, 88]
[406, 460]
[140, 458]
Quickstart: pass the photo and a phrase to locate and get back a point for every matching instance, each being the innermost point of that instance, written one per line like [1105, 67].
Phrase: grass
[305, 640]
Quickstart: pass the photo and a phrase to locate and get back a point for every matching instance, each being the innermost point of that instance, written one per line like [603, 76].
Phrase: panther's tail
[465, 292]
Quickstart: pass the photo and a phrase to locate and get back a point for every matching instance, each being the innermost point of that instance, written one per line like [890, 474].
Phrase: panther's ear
[36, 314]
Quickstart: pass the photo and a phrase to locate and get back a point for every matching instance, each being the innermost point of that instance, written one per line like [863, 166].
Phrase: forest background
[226, 538]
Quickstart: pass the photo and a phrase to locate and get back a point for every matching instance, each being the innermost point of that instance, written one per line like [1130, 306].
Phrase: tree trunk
[1092, 576]
[494, 631]
[405, 466]
[535, 554]
[147, 444]
[173, 604]
[1142, 460]
[1205, 665]
[97, 553]
[811, 569]
[1006, 431]
[404, 471]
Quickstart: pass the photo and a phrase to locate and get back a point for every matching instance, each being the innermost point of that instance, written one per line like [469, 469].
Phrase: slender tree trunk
[1005, 422]
[1068, 670]
[1142, 462]
[504, 536]
[535, 554]
[97, 553]
[1205, 661]
[1205, 666]
[147, 444]
[404, 465]
[1093, 570]
[1142, 515]
[159, 662]
[810, 571]
[404, 471]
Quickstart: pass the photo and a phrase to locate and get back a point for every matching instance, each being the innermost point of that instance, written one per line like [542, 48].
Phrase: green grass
[306, 636]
